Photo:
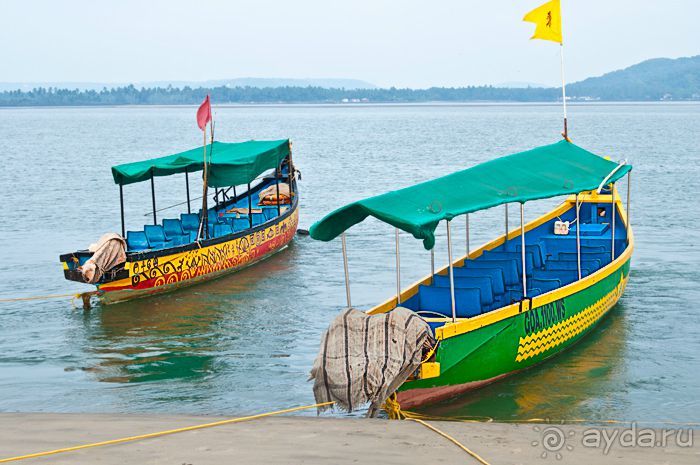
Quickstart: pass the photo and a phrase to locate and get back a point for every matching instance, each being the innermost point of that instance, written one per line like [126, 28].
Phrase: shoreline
[314, 440]
[436, 104]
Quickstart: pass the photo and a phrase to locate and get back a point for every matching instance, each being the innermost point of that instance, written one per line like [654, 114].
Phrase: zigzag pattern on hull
[548, 338]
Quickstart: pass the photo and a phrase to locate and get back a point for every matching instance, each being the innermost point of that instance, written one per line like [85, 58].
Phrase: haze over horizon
[387, 43]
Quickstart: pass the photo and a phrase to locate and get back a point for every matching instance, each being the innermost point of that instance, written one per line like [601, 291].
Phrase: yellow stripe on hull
[170, 272]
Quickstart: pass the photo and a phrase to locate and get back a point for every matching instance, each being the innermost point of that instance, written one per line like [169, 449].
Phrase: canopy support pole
[250, 207]
[505, 241]
[398, 270]
[153, 198]
[187, 186]
[432, 262]
[290, 165]
[452, 278]
[467, 238]
[121, 207]
[612, 220]
[345, 267]
[277, 185]
[629, 190]
[522, 247]
[578, 239]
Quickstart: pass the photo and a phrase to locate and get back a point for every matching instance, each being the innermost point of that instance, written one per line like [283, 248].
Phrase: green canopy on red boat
[547, 171]
[230, 164]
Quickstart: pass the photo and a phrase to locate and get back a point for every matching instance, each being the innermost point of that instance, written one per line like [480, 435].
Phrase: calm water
[246, 342]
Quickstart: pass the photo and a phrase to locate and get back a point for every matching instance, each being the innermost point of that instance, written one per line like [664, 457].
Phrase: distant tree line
[657, 79]
[131, 95]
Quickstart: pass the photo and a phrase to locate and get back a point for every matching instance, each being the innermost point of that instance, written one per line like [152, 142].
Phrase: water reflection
[572, 385]
[179, 336]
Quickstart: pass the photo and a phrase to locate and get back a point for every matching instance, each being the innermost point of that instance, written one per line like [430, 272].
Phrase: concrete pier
[309, 440]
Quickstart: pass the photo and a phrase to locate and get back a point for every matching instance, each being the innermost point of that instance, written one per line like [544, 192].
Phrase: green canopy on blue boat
[231, 164]
[557, 169]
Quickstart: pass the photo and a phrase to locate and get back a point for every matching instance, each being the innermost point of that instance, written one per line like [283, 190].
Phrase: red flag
[204, 113]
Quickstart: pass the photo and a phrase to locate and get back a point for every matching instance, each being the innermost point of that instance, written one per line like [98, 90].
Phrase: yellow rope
[162, 433]
[393, 409]
[450, 438]
[430, 352]
[40, 297]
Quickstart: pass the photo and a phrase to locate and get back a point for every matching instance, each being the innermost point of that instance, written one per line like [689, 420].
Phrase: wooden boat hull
[151, 273]
[476, 351]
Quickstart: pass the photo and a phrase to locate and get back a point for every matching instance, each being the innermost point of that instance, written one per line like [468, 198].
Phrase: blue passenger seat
[593, 249]
[537, 251]
[258, 218]
[190, 222]
[173, 231]
[545, 284]
[564, 276]
[558, 244]
[213, 217]
[222, 229]
[496, 274]
[509, 268]
[483, 284]
[269, 212]
[603, 257]
[517, 256]
[438, 299]
[137, 240]
[241, 223]
[572, 264]
[156, 236]
[514, 295]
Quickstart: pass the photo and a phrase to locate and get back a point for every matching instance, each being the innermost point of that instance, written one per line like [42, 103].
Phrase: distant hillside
[657, 79]
[651, 80]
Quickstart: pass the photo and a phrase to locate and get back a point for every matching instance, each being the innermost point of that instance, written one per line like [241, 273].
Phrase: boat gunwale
[465, 325]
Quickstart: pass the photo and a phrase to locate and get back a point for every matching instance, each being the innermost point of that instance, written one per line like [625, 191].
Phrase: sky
[402, 43]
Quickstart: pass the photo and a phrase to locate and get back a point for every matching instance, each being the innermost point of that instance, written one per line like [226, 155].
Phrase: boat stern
[71, 262]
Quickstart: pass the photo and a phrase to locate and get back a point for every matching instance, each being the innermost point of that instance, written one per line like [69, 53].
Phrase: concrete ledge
[309, 440]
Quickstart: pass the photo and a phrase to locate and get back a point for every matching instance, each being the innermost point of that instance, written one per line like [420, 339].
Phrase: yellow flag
[547, 19]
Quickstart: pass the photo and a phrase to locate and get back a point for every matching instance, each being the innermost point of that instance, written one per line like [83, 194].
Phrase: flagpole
[548, 26]
[563, 91]
[204, 117]
[563, 81]
[203, 225]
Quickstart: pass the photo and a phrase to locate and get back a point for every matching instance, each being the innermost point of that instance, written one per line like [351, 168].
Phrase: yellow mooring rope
[450, 438]
[85, 296]
[40, 297]
[161, 433]
[406, 415]
[393, 409]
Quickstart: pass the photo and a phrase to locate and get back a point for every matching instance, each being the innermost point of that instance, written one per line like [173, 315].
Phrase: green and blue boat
[523, 297]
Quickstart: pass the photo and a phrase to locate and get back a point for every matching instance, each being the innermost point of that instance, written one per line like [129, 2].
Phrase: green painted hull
[486, 354]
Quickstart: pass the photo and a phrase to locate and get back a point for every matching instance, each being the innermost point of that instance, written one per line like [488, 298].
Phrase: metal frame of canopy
[522, 243]
[277, 176]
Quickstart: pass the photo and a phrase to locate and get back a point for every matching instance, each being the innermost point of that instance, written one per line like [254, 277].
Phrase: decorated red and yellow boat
[254, 215]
